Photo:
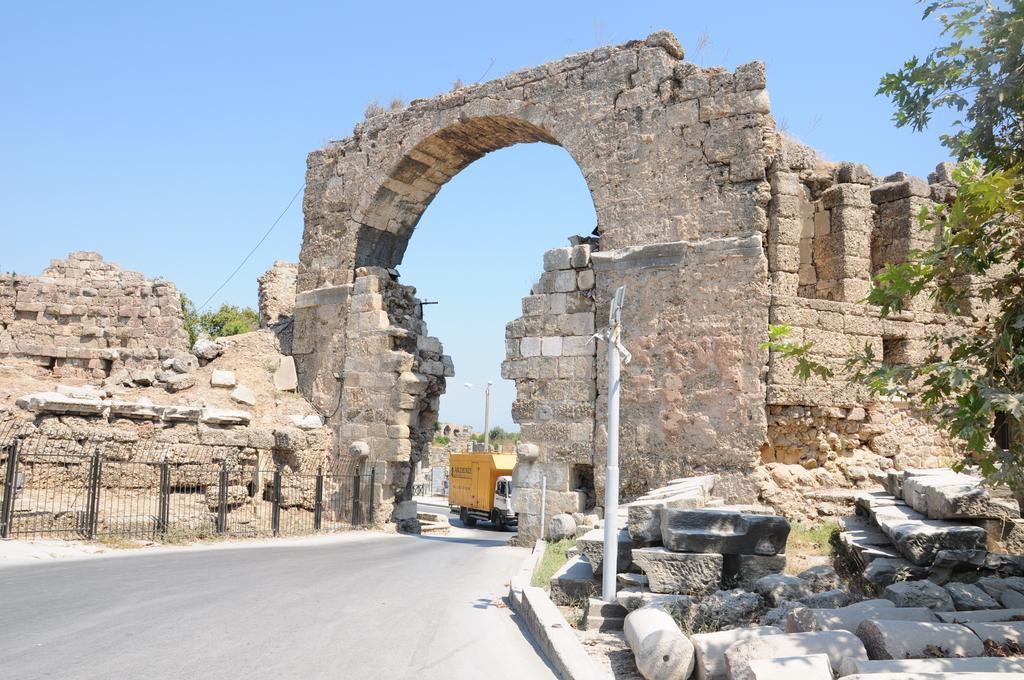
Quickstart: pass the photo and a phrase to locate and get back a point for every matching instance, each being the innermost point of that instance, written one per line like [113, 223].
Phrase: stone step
[632, 598]
[573, 582]
[723, 532]
[603, 616]
[948, 495]
[919, 539]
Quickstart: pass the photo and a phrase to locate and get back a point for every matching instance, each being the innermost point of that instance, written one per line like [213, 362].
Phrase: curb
[549, 628]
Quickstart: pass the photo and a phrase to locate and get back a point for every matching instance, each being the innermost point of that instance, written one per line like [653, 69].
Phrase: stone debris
[179, 381]
[603, 616]
[917, 639]
[808, 667]
[661, 650]
[243, 395]
[919, 594]
[206, 350]
[709, 649]
[836, 644]
[57, 403]
[309, 422]
[222, 378]
[967, 597]
[999, 632]
[981, 616]
[223, 416]
[633, 597]
[561, 526]
[742, 571]
[778, 587]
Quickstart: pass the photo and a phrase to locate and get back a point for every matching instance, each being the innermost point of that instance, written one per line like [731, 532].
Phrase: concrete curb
[547, 625]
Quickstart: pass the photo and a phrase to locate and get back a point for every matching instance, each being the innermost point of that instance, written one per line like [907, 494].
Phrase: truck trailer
[480, 488]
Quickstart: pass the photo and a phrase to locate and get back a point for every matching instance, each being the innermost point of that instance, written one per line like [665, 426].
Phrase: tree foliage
[973, 378]
[228, 320]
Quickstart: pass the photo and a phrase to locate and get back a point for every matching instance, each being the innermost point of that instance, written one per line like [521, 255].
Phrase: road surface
[356, 606]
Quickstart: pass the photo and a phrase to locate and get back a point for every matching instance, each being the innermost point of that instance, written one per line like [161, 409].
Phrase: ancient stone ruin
[715, 222]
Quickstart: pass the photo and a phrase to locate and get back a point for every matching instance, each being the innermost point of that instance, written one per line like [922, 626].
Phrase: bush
[228, 320]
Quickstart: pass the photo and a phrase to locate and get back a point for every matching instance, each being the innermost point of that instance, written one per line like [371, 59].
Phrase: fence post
[275, 519]
[318, 503]
[222, 500]
[164, 512]
[357, 515]
[10, 488]
[373, 476]
[92, 514]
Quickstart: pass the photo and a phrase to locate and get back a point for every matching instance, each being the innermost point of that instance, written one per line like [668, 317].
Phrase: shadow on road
[481, 542]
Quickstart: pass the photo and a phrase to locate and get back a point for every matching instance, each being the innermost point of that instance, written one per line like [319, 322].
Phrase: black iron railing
[139, 491]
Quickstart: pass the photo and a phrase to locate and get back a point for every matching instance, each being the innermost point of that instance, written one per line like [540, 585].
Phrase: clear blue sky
[169, 138]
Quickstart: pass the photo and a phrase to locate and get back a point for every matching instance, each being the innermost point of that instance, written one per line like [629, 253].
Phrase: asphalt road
[361, 606]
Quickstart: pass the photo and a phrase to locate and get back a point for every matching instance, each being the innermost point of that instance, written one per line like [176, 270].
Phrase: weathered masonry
[715, 223]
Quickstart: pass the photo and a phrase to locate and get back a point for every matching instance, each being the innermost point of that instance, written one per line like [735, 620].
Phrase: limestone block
[723, 531]
[923, 669]
[179, 382]
[836, 644]
[634, 597]
[560, 526]
[885, 570]
[54, 402]
[821, 578]
[809, 667]
[573, 582]
[585, 279]
[828, 599]
[591, 546]
[285, 377]
[727, 609]
[206, 349]
[919, 594]
[222, 378]
[919, 539]
[968, 597]
[682, 573]
[743, 571]
[894, 191]
[551, 346]
[981, 616]
[558, 258]
[224, 416]
[530, 347]
[661, 650]
[243, 395]
[644, 519]
[917, 639]
[709, 649]
[999, 632]
[778, 587]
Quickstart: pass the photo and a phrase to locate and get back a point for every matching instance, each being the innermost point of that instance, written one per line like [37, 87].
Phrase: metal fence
[60, 491]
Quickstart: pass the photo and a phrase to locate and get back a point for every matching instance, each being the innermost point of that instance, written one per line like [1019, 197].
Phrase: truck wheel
[463, 516]
[470, 521]
[500, 522]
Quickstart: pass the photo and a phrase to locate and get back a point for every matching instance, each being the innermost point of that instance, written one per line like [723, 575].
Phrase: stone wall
[716, 224]
[84, 317]
[277, 293]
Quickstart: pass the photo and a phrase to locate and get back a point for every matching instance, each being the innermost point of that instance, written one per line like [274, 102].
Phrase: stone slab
[573, 582]
[980, 616]
[742, 571]
[723, 531]
[591, 545]
[919, 539]
[809, 667]
[919, 594]
[681, 573]
[974, 665]
[836, 644]
[917, 640]
[849, 618]
[999, 632]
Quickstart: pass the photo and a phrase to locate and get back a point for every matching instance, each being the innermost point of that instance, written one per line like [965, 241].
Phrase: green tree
[228, 320]
[973, 380]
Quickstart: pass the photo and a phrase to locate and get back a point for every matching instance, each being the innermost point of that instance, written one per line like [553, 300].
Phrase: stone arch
[675, 158]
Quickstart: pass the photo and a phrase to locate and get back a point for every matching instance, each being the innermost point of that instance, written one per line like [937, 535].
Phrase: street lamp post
[487, 410]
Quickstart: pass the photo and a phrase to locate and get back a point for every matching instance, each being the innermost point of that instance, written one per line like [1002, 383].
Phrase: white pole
[611, 475]
[543, 502]
[487, 416]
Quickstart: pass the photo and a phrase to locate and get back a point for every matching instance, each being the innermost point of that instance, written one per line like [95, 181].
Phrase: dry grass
[808, 545]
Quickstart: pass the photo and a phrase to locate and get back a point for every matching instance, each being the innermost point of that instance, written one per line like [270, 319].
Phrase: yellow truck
[480, 488]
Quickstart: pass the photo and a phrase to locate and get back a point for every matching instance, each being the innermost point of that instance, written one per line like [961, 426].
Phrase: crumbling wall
[84, 317]
[277, 293]
[551, 355]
